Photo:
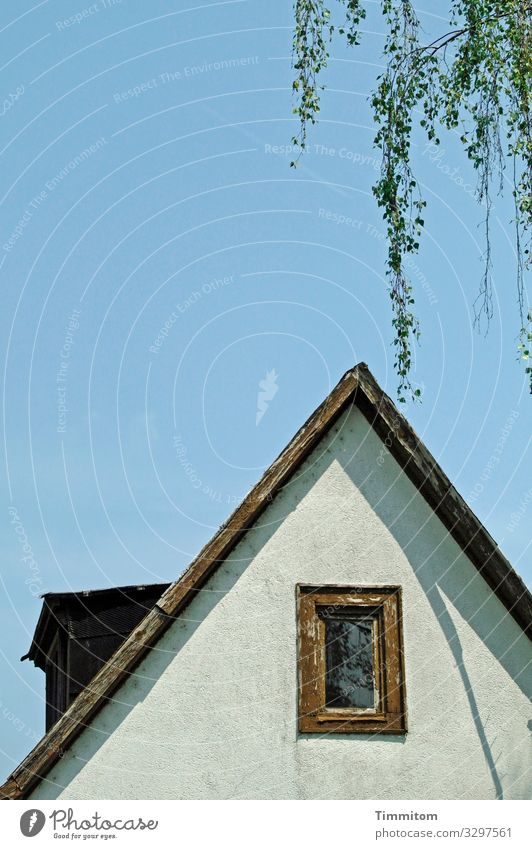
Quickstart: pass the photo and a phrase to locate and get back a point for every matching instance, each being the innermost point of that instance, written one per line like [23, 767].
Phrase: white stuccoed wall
[211, 711]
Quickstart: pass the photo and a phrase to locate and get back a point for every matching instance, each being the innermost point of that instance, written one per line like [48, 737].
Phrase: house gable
[415, 465]
[211, 711]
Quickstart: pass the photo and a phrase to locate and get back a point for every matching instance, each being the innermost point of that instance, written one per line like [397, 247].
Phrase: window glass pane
[349, 680]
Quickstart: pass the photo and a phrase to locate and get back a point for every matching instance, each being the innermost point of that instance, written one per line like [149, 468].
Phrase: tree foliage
[475, 80]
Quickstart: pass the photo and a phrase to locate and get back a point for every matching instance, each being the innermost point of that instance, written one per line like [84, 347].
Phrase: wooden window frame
[384, 605]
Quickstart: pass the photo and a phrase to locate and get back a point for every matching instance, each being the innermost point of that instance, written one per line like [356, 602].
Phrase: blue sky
[159, 259]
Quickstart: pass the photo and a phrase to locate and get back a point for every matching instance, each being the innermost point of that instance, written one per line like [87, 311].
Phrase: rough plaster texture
[211, 711]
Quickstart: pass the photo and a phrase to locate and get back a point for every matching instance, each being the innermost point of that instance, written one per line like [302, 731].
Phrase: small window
[351, 671]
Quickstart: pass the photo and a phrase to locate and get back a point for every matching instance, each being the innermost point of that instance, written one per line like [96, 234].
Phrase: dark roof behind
[90, 613]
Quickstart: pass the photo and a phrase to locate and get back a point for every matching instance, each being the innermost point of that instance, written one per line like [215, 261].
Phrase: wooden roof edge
[359, 386]
[450, 507]
[241, 520]
[50, 748]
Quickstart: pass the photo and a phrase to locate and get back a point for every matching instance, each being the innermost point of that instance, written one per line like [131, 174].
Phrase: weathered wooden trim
[357, 386]
[11, 790]
[391, 725]
[394, 674]
[360, 589]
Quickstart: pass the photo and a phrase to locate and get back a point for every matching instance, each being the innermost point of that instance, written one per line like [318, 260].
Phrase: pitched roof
[358, 387]
[114, 610]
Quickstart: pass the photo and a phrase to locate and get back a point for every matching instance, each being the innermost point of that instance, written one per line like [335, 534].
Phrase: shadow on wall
[390, 497]
[447, 625]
